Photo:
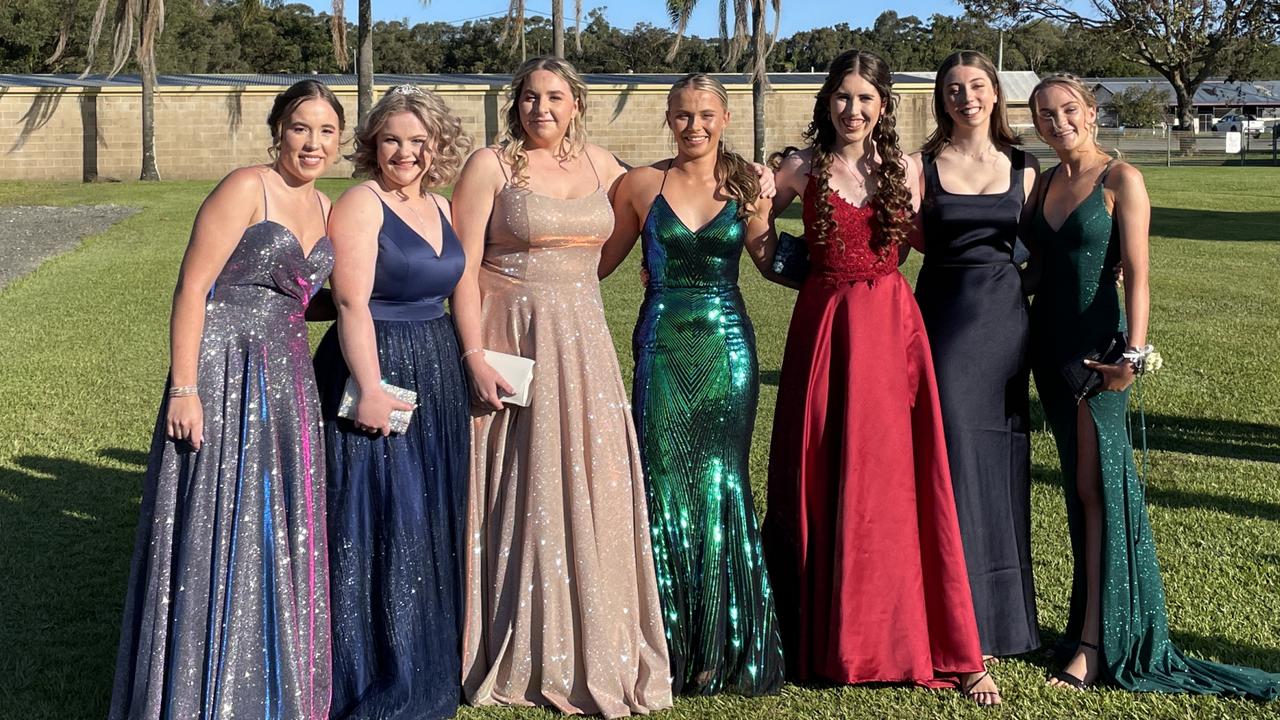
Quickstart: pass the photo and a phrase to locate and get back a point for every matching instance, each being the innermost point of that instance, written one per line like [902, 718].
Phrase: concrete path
[31, 234]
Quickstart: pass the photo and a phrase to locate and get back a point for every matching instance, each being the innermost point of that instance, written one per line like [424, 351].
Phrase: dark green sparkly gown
[1077, 308]
[694, 401]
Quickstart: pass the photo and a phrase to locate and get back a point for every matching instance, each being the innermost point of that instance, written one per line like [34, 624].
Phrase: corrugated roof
[1212, 92]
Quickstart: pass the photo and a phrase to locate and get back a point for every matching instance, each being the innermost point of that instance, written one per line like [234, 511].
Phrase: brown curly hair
[891, 198]
[449, 145]
[736, 176]
[512, 141]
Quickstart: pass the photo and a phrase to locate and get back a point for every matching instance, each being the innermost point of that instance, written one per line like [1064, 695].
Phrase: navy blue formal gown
[397, 505]
[974, 308]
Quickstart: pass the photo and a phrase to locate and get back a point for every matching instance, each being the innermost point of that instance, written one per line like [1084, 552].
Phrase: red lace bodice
[845, 256]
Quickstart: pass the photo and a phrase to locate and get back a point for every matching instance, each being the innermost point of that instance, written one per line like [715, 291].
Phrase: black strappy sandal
[1070, 680]
[969, 693]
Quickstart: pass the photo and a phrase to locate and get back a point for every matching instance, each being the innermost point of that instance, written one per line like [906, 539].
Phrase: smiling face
[1063, 119]
[404, 150]
[697, 119]
[309, 140]
[969, 96]
[547, 106]
[855, 108]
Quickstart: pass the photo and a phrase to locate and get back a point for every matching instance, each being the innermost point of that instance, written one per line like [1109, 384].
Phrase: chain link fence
[1162, 146]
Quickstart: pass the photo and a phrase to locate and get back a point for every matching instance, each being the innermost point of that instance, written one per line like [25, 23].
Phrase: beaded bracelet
[182, 391]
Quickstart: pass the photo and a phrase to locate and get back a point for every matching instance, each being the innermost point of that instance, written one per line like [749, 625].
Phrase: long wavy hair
[448, 144]
[1002, 136]
[891, 198]
[513, 137]
[735, 175]
[1075, 87]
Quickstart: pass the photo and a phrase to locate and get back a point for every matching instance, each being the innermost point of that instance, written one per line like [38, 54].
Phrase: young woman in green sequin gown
[694, 396]
[1087, 214]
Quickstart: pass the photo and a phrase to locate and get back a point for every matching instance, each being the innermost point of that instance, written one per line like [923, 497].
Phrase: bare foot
[1080, 672]
[981, 688]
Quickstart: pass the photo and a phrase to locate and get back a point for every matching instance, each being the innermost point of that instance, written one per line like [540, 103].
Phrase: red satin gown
[861, 535]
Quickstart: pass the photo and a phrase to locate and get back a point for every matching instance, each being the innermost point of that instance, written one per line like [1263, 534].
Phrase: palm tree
[148, 17]
[515, 27]
[744, 12]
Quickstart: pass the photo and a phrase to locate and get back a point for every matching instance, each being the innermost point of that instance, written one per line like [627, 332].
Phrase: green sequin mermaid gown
[694, 400]
[1076, 308]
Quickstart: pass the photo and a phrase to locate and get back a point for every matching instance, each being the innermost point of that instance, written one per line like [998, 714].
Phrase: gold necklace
[862, 182]
[978, 157]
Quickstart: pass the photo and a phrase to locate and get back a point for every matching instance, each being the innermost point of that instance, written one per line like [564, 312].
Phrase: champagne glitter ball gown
[1077, 309]
[861, 532]
[695, 408]
[227, 608]
[398, 504]
[562, 601]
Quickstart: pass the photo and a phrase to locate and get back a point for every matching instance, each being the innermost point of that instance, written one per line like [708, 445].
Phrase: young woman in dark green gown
[1088, 213]
[694, 395]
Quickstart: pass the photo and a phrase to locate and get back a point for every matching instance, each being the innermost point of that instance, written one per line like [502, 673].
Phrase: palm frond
[679, 12]
[64, 30]
[738, 42]
[514, 27]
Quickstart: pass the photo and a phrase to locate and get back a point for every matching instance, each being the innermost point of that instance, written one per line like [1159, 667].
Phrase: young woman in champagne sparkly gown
[562, 601]
[694, 395]
[227, 608]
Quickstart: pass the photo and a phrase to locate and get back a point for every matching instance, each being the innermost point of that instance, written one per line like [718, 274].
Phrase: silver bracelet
[182, 391]
[472, 351]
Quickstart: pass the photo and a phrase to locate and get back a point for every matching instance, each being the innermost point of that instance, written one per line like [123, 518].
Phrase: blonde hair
[736, 175]
[448, 144]
[512, 142]
[1073, 85]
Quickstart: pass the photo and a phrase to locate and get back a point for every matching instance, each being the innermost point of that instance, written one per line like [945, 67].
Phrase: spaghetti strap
[1102, 179]
[324, 217]
[501, 166]
[262, 179]
[599, 184]
[664, 177]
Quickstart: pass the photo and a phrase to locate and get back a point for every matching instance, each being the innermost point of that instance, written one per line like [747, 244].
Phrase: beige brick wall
[204, 132]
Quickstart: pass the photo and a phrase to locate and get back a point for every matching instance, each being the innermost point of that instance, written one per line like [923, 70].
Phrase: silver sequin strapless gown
[227, 607]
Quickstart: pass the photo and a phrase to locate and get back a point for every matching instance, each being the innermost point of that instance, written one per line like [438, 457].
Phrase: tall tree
[364, 50]
[147, 17]
[1185, 41]
[745, 13]
[514, 30]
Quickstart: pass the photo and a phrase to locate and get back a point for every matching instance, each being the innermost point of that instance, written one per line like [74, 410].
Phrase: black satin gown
[971, 296]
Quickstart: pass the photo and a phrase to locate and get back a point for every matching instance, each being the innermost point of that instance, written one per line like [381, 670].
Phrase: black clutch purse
[791, 257]
[1086, 382]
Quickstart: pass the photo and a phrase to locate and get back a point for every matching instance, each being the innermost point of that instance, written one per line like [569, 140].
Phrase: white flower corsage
[1144, 359]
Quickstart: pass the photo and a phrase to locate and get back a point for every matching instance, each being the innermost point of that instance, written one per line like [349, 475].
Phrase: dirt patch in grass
[31, 234]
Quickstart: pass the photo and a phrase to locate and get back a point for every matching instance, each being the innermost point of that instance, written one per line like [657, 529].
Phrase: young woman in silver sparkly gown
[227, 607]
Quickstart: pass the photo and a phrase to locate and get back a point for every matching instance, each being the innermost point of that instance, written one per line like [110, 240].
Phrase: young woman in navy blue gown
[397, 501]
[975, 181]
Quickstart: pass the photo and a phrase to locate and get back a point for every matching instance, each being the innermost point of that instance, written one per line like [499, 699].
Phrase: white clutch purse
[517, 371]
[399, 418]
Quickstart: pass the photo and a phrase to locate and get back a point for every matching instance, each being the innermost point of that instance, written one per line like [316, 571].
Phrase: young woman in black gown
[971, 297]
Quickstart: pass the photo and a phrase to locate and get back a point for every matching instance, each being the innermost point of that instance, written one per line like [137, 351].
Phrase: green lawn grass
[83, 359]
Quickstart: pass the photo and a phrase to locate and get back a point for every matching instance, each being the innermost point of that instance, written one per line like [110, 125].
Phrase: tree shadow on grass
[1054, 650]
[1214, 225]
[1220, 438]
[68, 529]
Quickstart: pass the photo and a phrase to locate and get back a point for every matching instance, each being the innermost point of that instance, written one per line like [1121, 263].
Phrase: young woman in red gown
[861, 534]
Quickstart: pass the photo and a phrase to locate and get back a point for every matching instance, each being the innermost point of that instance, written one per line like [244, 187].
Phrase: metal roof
[1212, 92]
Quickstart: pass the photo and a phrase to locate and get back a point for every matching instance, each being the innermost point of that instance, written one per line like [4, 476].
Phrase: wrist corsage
[1144, 359]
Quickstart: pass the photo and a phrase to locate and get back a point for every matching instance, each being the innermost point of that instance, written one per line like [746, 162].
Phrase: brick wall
[204, 132]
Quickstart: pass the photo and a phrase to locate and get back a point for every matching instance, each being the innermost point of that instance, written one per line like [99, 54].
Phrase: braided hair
[891, 198]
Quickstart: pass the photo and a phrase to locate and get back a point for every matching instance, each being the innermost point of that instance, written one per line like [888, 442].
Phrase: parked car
[1239, 123]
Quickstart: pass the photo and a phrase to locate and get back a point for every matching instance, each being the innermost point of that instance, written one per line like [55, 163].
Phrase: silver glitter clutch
[517, 371]
[399, 418]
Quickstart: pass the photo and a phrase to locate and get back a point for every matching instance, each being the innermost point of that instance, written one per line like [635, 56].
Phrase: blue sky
[796, 14]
